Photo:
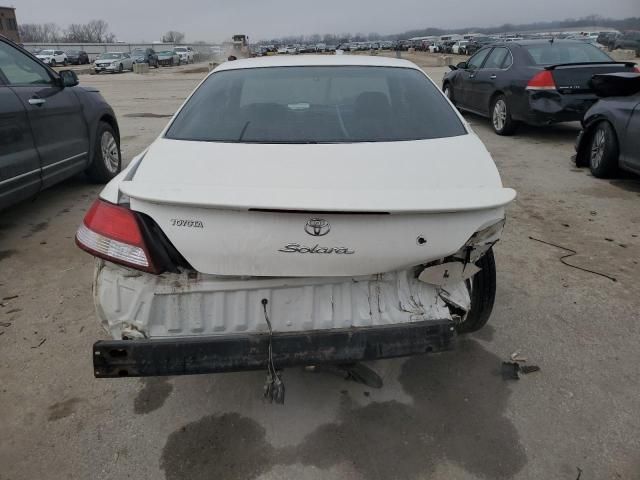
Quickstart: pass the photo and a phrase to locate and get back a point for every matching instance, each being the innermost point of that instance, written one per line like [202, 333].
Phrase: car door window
[496, 59]
[475, 62]
[19, 69]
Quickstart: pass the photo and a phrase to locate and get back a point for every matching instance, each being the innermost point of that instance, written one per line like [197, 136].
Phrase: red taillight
[113, 232]
[636, 69]
[542, 81]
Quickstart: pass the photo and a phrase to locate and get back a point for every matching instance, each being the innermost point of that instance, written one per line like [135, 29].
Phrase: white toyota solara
[297, 211]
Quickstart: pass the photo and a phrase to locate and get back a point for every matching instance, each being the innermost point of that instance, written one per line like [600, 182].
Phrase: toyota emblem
[317, 227]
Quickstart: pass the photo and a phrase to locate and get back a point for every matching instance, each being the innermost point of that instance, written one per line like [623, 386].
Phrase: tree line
[631, 23]
[95, 31]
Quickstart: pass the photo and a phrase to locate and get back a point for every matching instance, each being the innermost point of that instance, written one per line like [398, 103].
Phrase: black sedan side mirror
[462, 65]
[68, 78]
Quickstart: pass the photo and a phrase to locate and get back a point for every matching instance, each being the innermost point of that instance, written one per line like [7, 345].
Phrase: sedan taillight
[113, 232]
[542, 81]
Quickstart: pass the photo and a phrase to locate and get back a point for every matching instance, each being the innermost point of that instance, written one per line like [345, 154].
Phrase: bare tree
[39, 32]
[173, 37]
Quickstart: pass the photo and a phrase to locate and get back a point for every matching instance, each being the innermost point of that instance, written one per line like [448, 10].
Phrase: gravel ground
[447, 416]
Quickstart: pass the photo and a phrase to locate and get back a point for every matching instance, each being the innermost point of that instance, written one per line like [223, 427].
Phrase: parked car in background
[168, 58]
[185, 54]
[77, 57]
[251, 269]
[610, 136]
[538, 82]
[330, 48]
[113, 62]
[608, 39]
[628, 41]
[53, 57]
[460, 47]
[50, 127]
[145, 55]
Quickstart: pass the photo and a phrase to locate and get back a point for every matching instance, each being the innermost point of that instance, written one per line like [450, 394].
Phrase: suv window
[496, 59]
[19, 69]
[330, 104]
[476, 61]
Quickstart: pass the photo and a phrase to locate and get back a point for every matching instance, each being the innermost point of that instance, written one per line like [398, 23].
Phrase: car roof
[538, 41]
[316, 60]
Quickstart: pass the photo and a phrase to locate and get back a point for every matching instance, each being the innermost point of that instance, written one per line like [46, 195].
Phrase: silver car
[113, 62]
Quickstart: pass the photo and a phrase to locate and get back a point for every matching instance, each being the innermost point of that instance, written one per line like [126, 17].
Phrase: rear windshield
[553, 53]
[316, 105]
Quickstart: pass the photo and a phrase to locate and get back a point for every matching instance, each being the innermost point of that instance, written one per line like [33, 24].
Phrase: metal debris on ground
[512, 370]
[571, 254]
[40, 344]
[515, 357]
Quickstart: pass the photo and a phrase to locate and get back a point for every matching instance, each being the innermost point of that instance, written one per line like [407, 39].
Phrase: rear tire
[120, 68]
[52, 63]
[501, 119]
[603, 151]
[483, 295]
[107, 161]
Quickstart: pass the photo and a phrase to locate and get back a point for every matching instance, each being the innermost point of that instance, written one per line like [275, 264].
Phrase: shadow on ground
[457, 416]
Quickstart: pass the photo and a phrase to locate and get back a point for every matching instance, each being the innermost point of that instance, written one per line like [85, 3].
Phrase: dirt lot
[438, 417]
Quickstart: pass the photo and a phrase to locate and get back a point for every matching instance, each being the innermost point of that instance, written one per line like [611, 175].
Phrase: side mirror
[68, 78]
[462, 65]
[452, 67]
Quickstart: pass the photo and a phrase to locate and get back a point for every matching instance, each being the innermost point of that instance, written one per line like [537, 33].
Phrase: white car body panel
[379, 199]
[135, 304]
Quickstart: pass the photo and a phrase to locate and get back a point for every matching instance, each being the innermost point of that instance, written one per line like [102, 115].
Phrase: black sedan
[145, 55]
[77, 57]
[538, 82]
[610, 137]
[50, 127]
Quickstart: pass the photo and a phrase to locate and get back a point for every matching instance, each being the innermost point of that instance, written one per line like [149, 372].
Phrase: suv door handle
[472, 75]
[37, 101]
[492, 77]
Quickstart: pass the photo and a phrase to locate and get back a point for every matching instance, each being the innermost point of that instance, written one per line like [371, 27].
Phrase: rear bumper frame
[232, 353]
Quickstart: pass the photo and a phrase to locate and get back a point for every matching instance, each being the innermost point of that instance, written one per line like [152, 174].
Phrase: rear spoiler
[578, 64]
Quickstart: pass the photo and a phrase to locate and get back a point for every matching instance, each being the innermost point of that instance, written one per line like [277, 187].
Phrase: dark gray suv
[50, 128]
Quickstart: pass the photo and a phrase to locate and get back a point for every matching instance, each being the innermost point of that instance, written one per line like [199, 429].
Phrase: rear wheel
[52, 62]
[501, 119]
[120, 68]
[482, 288]
[603, 154]
[106, 156]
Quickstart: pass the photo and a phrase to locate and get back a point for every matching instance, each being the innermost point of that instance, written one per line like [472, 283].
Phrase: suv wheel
[107, 160]
[52, 63]
[501, 119]
[603, 154]
[482, 288]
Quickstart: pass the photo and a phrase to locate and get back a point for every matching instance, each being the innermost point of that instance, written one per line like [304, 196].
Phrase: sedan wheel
[499, 114]
[120, 68]
[501, 119]
[603, 154]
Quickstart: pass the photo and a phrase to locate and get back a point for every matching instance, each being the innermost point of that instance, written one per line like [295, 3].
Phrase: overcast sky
[217, 20]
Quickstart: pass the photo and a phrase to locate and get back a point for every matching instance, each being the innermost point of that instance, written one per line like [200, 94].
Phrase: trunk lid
[317, 210]
[576, 77]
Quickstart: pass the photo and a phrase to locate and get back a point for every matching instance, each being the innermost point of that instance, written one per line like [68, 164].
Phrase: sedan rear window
[555, 53]
[328, 104]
